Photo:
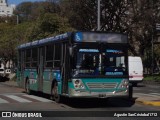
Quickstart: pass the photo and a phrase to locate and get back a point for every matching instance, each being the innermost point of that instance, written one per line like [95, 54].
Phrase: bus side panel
[49, 76]
[32, 75]
[47, 79]
[19, 79]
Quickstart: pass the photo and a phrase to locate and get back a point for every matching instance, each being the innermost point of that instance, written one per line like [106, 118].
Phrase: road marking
[12, 94]
[38, 98]
[19, 99]
[155, 94]
[3, 101]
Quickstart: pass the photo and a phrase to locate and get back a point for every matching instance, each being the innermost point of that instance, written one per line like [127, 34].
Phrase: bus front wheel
[54, 94]
[130, 96]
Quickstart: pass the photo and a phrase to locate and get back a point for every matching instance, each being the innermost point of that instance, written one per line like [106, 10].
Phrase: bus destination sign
[100, 37]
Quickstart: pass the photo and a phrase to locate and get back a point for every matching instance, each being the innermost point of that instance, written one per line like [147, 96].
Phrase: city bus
[76, 65]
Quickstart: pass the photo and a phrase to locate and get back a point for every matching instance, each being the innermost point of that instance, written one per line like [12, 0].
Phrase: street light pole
[98, 14]
[152, 54]
[17, 19]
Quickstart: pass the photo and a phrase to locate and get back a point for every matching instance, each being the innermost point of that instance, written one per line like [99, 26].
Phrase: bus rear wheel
[54, 95]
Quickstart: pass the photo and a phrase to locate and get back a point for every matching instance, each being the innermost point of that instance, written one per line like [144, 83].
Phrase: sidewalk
[145, 99]
[10, 83]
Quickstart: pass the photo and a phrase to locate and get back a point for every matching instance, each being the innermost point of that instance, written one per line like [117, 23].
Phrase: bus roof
[79, 36]
[44, 41]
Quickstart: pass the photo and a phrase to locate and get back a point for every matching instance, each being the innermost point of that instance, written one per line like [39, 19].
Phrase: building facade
[5, 9]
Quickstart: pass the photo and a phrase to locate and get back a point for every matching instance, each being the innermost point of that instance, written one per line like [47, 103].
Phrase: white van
[135, 69]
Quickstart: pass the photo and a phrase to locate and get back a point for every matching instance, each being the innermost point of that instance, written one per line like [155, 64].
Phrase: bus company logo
[6, 114]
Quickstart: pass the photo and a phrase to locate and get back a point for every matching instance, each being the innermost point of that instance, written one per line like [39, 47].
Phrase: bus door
[40, 68]
[64, 68]
[22, 64]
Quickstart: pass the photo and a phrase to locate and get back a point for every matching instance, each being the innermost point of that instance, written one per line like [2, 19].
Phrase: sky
[16, 2]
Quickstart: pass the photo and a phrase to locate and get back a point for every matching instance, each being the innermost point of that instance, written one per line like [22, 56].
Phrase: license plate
[102, 95]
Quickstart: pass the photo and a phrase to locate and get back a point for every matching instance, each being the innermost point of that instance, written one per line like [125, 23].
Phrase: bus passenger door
[64, 68]
[40, 68]
[22, 64]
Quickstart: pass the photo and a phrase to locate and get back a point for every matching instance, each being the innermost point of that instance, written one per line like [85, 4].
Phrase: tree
[142, 19]
[82, 14]
[143, 15]
[29, 11]
[47, 25]
[11, 36]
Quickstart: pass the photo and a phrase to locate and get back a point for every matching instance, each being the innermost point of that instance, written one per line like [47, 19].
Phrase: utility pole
[152, 53]
[98, 14]
[17, 19]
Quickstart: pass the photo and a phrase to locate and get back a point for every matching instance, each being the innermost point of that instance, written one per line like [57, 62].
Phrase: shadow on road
[98, 103]
[3, 79]
[141, 85]
[93, 102]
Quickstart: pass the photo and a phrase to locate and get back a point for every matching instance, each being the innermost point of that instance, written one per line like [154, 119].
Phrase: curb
[152, 103]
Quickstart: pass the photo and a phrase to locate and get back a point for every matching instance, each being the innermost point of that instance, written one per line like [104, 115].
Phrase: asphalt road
[147, 89]
[15, 99]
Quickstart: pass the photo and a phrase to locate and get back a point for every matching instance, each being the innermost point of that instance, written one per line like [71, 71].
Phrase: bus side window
[34, 57]
[49, 56]
[57, 55]
[28, 58]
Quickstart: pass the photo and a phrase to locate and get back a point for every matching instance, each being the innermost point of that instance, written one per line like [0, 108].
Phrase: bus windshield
[97, 62]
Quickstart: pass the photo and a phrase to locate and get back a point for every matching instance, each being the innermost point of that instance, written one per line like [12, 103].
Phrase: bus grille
[101, 85]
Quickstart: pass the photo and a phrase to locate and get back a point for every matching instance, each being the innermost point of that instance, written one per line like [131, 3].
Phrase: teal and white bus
[76, 64]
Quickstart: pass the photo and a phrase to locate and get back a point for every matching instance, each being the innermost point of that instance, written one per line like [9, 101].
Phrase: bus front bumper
[85, 94]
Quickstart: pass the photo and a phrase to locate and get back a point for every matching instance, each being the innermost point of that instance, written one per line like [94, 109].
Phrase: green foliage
[11, 37]
[37, 20]
[44, 19]
[29, 11]
[150, 77]
[47, 25]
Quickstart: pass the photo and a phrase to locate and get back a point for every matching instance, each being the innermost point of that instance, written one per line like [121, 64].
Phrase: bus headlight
[124, 84]
[78, 84]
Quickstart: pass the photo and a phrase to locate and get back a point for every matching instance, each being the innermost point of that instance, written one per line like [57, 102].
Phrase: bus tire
[54, 93]
[134, 84]
[130, 96]
[27, 87]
